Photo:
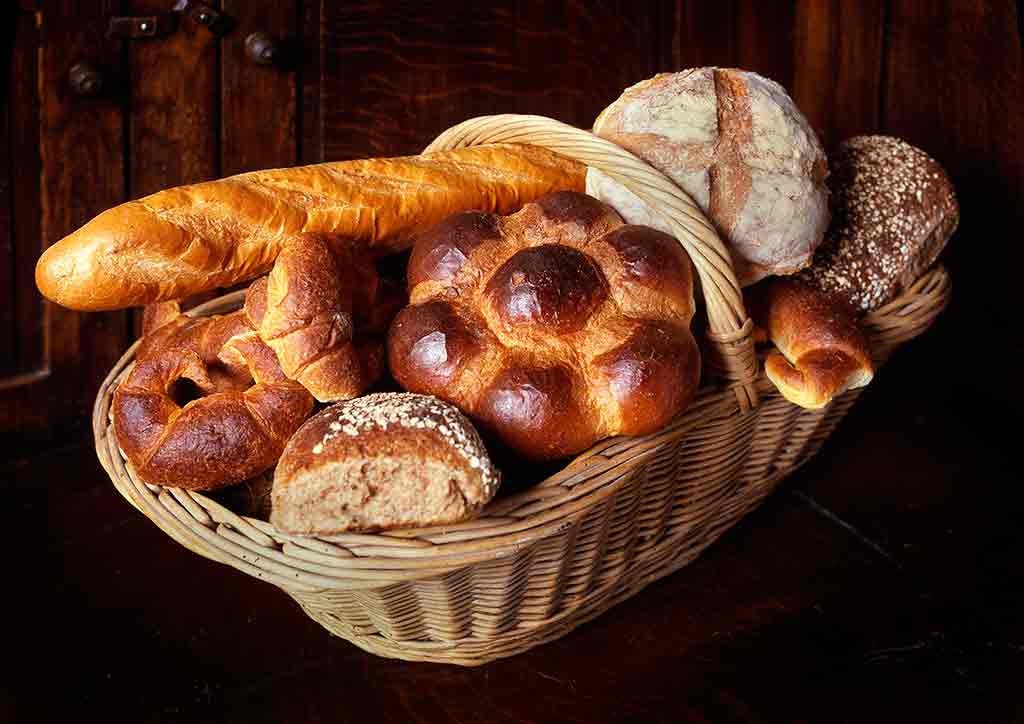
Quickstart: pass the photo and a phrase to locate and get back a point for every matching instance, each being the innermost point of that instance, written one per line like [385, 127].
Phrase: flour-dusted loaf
[386, 460]
[894, 209]
[737, 144]
[214, 234]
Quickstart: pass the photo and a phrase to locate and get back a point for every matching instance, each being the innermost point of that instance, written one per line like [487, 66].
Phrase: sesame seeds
[408, 411]
[889, 198]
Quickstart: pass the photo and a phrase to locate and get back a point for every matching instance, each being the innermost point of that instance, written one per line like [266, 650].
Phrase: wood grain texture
[21, 328]
[174, 100]
[395, 75]
[837, 78]
[174, 122]
[883, 584]
[953, 87]
[703, 33]
[764, 39]
[82, 173]
[258, 102]
[309, 65]
[9, 20]
[30, 347]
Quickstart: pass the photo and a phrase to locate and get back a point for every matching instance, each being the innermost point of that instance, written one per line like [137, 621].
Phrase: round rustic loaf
[553, 327]
[893, 210]
[386, 460]
[737, 144]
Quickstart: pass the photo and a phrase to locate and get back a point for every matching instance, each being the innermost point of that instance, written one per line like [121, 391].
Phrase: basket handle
[730, 329]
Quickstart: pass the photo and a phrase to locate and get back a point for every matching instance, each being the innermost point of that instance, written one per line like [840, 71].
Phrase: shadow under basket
[543, 560]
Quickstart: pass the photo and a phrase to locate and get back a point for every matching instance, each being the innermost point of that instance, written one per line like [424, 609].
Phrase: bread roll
[894, 209]
[822, 351]
[195, 238]
[314, 310]
[205, 405]
[737, 144]
[553, 328]
[386, 460]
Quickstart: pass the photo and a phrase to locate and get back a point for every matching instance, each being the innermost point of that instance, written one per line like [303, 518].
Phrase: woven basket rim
[366, 560]
[508, 524]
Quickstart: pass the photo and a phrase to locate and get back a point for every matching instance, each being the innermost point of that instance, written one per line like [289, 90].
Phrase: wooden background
[370, 78]
[882, 583]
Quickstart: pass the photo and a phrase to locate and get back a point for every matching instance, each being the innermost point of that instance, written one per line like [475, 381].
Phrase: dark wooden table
[882, 582]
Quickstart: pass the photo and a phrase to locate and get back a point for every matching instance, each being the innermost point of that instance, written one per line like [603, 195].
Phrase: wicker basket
[542, 561]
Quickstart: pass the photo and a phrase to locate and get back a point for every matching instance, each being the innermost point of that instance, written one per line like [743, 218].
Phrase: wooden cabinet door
[65, 162]
[176, 109]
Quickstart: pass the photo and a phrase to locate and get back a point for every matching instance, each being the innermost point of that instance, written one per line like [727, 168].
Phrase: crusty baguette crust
[195, 238]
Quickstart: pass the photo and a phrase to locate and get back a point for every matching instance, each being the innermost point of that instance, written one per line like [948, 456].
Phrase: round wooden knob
[85, 79]
[262, 49]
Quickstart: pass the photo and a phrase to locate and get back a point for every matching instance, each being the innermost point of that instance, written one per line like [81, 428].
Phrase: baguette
[195, 238]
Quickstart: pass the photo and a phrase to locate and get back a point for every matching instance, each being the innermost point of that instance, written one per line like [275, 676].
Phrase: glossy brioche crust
[821, 349]
[553, 327]
[189, 239]
[244, 410]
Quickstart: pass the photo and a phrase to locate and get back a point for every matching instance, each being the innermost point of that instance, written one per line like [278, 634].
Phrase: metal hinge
[143, 26]
[155, 26]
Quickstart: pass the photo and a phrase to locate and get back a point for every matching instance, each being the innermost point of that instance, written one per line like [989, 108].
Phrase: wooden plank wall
[384, 78]
[394, 75]
[177, 109]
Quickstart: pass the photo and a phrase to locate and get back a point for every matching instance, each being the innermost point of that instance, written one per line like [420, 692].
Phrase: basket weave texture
[542, 561]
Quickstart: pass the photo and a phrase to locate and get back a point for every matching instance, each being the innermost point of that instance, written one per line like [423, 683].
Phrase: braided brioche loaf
[553, 327]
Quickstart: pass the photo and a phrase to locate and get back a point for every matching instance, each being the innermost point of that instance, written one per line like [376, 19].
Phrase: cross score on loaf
[554, 327]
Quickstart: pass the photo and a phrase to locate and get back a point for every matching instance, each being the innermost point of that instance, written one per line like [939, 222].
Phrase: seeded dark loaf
[386, 460]
[893, 210]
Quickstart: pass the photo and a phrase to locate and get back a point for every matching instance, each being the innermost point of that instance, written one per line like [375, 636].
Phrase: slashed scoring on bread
[739, 146]
[190, 239]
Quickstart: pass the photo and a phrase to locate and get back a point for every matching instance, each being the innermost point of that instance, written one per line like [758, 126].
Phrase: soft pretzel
[821, 349]
[554, 327]
[323, 312]
[243, 412]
